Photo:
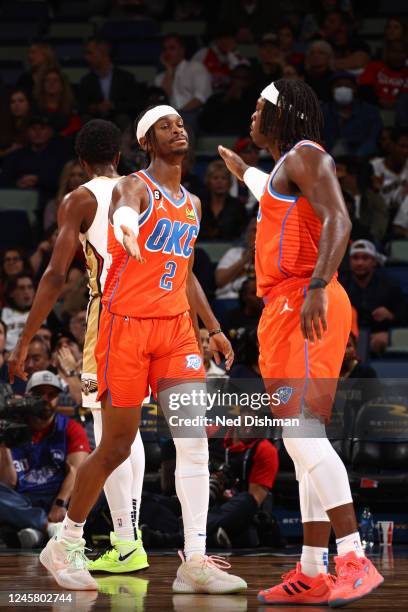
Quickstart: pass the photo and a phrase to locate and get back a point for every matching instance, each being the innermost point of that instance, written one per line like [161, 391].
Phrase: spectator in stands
[186, 83]
[3, 352]
[37, 477]
[400, 223]
[391, 171]
[350, 51]
[311, 24]
[385, 141]
[235, 266]
[220, 57]
[77, 327]
[41, 56]
[351, 125]
[246, 346]
[14, 122]
[189, 179]
[53, 94]
[40, 258]
[73, 297]
[380, 304]
[46, 335]
[229, 112]
[291, 50]
[19, 296]
[387, 79]
[107, 91]
[369, 207]
[270, 62]
[352, 366]
[395, 29]
[38, 356]
[223, 217]
[319, 63]
[248, 313]
[13, 262]
[293, 72]
[211, 368]
[39, 164]
[249, 18]
[66, 358]
[250, 154]
[72, 176]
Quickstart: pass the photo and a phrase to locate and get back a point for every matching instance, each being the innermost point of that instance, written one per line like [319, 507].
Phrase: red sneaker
[297, 589]
[356, 577]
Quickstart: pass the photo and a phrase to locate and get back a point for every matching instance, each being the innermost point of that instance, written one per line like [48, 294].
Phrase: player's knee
[306, 453]
[192, 450]
[115, 454]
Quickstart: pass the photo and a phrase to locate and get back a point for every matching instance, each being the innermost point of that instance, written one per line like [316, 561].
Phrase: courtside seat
[183, 28]
[139, 52]
[398, 251]
[142, 74]
[380, 450]
[400, 276]
[398, 341]
[215, 250]
[69, 29]
[20, 199]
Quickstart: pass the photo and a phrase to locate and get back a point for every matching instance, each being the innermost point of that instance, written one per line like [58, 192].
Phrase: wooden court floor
[150, 589]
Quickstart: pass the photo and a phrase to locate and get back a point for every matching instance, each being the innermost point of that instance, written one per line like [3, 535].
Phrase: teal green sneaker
[114, 562]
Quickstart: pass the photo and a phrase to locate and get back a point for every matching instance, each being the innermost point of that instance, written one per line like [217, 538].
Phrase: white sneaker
[203, 574]
[66, 561]
[29, 537]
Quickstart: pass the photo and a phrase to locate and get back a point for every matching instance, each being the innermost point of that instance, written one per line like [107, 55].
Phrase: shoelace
[211, 561]
[345, 568]
[76, 554]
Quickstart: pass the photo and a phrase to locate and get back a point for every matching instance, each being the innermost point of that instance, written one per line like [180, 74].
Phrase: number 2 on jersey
[165, 281]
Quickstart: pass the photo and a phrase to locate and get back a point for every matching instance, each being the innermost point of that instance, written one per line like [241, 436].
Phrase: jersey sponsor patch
[193, 362]
[190, 213]
[89, 386]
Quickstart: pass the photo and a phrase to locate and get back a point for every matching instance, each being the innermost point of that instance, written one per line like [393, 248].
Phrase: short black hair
[296, 116]
[180, 39]
[98, 142]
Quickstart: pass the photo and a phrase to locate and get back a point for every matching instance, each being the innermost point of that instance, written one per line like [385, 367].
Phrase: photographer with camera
[40, 452]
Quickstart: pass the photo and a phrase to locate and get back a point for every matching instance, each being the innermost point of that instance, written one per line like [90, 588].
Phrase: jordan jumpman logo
[286, 307]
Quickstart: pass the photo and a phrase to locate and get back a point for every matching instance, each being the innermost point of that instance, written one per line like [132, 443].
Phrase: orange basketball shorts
[133, 354]
[284, 354]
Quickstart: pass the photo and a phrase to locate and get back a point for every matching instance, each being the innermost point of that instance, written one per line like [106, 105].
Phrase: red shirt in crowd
[387, 84]
[77, 440]
[265, 462]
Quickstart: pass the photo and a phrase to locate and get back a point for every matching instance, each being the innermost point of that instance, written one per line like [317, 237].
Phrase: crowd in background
[215, 89]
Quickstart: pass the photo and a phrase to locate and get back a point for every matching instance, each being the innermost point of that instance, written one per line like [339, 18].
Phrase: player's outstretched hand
[313, 315]
[16, 361]
[234, 163]
[131, 245]
[219, 343]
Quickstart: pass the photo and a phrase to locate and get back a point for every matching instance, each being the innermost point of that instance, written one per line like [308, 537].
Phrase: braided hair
[150, 136]
[296, 116]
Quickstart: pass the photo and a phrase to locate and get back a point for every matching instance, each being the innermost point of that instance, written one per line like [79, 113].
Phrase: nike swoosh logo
[124, 557]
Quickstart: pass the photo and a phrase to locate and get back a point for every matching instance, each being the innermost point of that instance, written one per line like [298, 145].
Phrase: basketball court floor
[150, 590]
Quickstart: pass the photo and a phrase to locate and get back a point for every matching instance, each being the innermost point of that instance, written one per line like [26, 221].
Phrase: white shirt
[15, 321]
[401, 218]
[215, 371]
[191, 80]
[106, 83]
[230, 290]
[392, 189]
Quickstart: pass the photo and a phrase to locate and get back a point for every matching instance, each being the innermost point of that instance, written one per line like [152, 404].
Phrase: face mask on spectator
[343, 95]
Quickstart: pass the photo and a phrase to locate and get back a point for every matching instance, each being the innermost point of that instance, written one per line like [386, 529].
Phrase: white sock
[71, 529]
[314, 560]
[350, 543]
[137, 459]
[192, 487]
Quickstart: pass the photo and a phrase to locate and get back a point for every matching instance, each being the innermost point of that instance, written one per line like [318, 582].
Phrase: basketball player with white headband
[302, 234]
[147, 335]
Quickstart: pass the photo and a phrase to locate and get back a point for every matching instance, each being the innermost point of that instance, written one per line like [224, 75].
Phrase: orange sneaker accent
[356, 577]
[299, 589]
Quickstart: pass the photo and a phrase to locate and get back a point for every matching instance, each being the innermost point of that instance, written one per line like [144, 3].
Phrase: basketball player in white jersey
[84, 212]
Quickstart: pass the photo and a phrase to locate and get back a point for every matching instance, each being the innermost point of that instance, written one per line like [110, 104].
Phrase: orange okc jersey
[167, 233]
[287, 237]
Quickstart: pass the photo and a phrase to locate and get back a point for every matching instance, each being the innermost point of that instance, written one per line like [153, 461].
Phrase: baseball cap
[367, 247]
[44, 377]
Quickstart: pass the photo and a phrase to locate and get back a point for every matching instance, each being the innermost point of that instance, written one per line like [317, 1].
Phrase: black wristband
[215, 331]
[317, 283]
[60, 502]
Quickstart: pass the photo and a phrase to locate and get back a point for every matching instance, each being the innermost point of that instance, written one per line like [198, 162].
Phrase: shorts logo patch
[193, 362]
[89, 386]
[284, 393]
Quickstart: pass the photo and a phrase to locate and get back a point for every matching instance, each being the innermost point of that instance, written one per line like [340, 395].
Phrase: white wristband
[125, 215]
[256, 181]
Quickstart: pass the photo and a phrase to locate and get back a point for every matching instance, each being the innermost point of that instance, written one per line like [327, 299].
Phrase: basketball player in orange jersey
[146, 334]
[83, 214]
[302, 232]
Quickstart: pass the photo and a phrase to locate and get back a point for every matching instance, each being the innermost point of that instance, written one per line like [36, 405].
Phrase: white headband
[270, 93]
[150, 118]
